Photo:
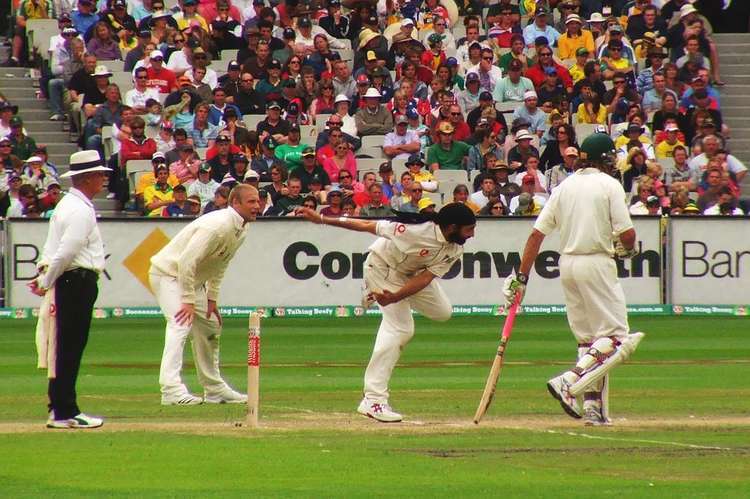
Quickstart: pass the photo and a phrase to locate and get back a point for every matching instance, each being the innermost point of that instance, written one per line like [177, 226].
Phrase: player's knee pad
[604, 354]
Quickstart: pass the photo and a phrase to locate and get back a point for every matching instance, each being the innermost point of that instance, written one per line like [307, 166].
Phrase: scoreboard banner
[292, 263]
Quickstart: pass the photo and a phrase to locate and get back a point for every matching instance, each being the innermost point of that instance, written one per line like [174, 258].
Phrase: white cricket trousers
[397, 324]
[204, 336]
[593, 296]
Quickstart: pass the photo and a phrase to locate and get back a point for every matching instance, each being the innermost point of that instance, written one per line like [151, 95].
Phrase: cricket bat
[253, 369]
[497, 364]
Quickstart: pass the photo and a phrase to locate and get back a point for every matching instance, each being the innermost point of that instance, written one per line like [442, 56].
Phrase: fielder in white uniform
[400, 274]
[590, 210]
[186, 276]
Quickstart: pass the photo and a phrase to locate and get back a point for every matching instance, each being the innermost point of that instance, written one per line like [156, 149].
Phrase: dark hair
[310, 198]
[179, 188]
[589, 68]
[181, 132]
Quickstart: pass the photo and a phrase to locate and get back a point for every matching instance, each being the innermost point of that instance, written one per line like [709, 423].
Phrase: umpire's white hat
[85, 162]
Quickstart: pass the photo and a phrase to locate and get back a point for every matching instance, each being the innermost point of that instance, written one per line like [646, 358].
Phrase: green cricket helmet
[597, 147]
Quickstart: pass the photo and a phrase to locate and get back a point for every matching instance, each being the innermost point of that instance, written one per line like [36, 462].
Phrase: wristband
[522, 278]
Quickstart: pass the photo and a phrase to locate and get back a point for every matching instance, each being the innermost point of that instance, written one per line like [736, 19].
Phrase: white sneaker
[186, 399]
[81, 421]
[560, 389]
[380, 411]
[226, 397]
[56, 117]
[111, 195]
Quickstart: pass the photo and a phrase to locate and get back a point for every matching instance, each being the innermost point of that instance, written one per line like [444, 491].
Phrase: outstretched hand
[309, 214]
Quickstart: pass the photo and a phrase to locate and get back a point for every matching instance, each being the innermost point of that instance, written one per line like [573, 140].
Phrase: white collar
[82, 196]
[239, 222]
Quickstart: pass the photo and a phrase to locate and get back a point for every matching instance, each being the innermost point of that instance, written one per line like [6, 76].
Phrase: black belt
[82, 273]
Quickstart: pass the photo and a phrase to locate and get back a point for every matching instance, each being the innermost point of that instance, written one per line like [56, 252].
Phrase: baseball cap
[515, 65]
[304, 22]
[223, 138]
[529, 94]
[240, 157]
[571, 151]
[435, 38]
[292, 108]
[289, 34]
[144, 33]
[370, 56]
[541, 40]
[205, 167]
[523, 135]
[407, 22]
[308, 151]
[485, 96]
[528, 179]
[274, 64]
[573, 18]
[251, 175]
[550, 70]
[270, 142]
[411, 113]
[635, 127]
[540, 12]
[158, 155]
[673, 128]
[596, 146]
[120, 3]
[341, 98]
[582, 51]
[4, 140]
[414, 159]
[363, 80]
[233, 66]
[156, 54]
[401, 119]
[379, 71]
[16, 121]
[615, 28]
[385, 167]
[294, 127]
[451, 61]
[273, 105]
[34, 159]
[472, 77]
[316, 180]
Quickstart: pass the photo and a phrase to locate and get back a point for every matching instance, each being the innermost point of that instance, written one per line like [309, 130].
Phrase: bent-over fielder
[186, 276]
[590, 210]
[399, 274]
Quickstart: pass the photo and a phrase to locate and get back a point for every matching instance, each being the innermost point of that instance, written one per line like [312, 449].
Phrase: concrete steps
[734, 59]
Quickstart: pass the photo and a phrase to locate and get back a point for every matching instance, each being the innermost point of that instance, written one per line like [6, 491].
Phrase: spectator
[84, 17]
[530, 113]
[668, 110]
[22, 146]
[554, 176]
[230, 81]
[186, 167]
[375, 206]
[645, 80]
[204, 187]
[202, 133]
[221, 162]
[309, 169]
[540, 28]
[334, 198]
[489, 74]
[324, 99]
[198, 81]
[401, 142]
[726, 204]
[158, 76]
[104, 44]
[37, 175]
[25, 204]
[342, 160]
[487, 144]
[577, 70]
[555, 151]
[665, 148]
[287, 202]
[48, 201]
[47, 165]
[468, 99]
[635, 167]
[7, 111]
[461, 195]
[614, 62]
[335, 23]
[291, 152]
[139, 51]
[522, 150]
[180, 104]
[361, 195]
[537, 73]
[263, 163]
[247, 99]
[179, 207]
[514, 86]
[711, 149]
[527, 203]
[447, 153]
[43, 9]
[574, 38]
[487, 191]
[374, 118]
[619, 98]
[159, 194]
[273, 125]
[531, 170]
[220, 201]
[189, 16]
[347, 122]
[343, 82]
[9, 162]
[551, 89]
[149, 178]
[63, 70]
[180, 138]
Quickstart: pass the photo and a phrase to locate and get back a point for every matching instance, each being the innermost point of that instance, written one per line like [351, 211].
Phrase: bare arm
[533, 243]
[345, 223]
[412, 286]
[627, 238]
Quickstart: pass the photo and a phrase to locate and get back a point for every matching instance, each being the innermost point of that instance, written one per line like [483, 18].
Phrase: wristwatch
[522, 278]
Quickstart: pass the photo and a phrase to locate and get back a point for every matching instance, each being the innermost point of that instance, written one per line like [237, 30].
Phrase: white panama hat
[85, 162]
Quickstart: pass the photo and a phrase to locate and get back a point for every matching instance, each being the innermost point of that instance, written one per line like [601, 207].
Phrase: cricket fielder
[399, 274]
[590, 210]
[186, 276]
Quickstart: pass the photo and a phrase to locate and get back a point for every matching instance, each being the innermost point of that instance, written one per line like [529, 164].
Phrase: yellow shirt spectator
[567, 45]
[152, 194]
[148, 179]
[584, 117]
[666, 150]
[576, 72]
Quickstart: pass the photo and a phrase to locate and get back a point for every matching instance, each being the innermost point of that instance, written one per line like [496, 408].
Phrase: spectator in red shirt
[537, 75]
[138, 146]
[159, 76]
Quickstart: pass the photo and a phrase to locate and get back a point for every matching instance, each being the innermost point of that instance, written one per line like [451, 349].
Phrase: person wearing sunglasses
[540, 27]
[538, 72]
[614, 61]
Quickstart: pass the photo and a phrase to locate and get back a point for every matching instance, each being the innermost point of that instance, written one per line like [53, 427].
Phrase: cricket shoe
[185, 399]
[226, 397]
[79, 422]
[380, 411]
[560, 389]
[592, 416]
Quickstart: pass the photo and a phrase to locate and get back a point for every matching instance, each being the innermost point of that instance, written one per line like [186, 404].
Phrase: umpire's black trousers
[75, 294]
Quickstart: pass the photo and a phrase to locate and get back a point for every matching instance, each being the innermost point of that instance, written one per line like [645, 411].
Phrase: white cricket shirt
[199, 253]
[412, 248]
[73, 239]
[587, 208]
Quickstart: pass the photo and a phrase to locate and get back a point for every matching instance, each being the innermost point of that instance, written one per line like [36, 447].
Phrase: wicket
[253, 369]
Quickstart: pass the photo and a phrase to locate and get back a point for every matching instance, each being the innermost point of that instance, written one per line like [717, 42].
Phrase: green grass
[681, 411]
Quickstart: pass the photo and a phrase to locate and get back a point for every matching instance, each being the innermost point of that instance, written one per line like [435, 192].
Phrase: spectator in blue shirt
[216, 111]
[540, 28]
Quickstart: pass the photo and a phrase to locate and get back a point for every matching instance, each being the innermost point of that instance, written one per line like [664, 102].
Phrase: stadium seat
[106, 140]
[252, 120]
[152, 131]
[508, 106]
[373, 141]
[583, 130]
[399, 166]
[320, 121]
[201, 152]
[114, 66]
[373, 152]
[122, 79]
[473, 174]
[346, 55]
[308, 134]
[457, 176]
[228, 55]
[138, 165]
[368, 164]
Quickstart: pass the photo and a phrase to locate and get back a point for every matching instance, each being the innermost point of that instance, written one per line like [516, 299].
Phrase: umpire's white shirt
[413, 248]
[587, 208]
[73, 239]
[199, 253]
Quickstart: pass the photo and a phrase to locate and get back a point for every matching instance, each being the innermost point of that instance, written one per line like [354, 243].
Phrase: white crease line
[639, 440]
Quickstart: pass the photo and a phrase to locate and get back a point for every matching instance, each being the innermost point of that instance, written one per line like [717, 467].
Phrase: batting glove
[512, 286]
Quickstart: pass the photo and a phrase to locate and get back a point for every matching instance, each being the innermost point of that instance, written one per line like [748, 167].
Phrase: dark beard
[456, 238]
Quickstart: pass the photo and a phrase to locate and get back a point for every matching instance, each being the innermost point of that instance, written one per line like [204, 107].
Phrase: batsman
[589, 208]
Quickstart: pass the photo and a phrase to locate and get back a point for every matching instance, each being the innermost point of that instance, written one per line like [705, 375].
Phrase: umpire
[72, 259]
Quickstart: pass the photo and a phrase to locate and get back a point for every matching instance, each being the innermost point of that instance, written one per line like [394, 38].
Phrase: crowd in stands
[363, 108]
